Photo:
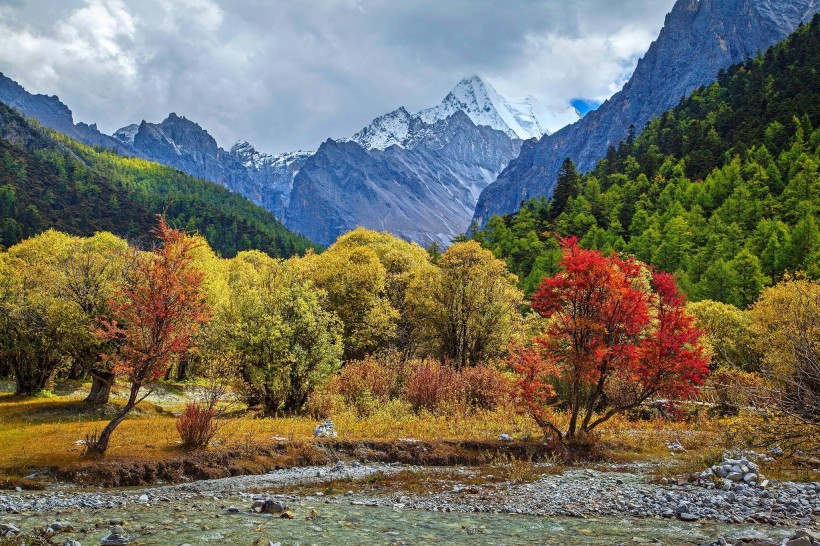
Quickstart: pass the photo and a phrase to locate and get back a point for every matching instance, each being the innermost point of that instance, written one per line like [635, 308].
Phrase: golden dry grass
[37, 433]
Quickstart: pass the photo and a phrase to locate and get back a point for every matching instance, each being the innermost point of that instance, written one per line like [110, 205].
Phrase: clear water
[205, 521]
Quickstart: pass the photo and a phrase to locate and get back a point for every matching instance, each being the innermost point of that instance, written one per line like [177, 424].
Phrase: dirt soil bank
[221, 463]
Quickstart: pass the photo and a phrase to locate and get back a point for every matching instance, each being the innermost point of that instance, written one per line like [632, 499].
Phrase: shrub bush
[429, 384]
[197, 425]
[730, 389]
[483, 387]
[323, 402]
[366, 378]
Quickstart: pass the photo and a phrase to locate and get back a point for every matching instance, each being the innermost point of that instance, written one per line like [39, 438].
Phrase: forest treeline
[48, 180]
[375, 320]
[722, 190]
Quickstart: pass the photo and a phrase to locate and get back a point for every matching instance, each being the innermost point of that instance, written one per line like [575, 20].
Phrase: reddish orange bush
[429, 384]
[366, 378]
[483, 387]
[611, 320]
[196, 425]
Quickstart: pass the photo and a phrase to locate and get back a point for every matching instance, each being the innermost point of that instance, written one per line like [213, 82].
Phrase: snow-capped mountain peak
[126, 134]
[385, 131]
[523, 118]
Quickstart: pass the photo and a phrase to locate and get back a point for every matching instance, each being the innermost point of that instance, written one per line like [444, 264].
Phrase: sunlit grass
[47, 432]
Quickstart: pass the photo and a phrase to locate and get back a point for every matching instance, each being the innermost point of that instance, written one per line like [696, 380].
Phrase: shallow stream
[205, 520]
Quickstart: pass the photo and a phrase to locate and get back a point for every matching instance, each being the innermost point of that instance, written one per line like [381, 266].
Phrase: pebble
[8, 529]
[116, 538]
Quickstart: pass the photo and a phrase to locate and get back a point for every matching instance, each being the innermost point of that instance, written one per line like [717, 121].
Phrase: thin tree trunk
[101, 445]
[576, 402]
[182, 367]
[593, 401]
[31, 378]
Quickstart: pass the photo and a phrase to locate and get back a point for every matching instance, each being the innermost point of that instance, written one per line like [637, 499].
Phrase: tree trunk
[575, 407]
[182, 367]
[100, 446]
[31, 377]
[101, 383]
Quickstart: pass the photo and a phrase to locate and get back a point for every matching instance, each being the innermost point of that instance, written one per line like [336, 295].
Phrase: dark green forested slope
[723, 189]
[49, 180]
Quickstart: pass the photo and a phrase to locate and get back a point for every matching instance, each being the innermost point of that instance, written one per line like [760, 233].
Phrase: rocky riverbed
[590, 506]
[583, 493]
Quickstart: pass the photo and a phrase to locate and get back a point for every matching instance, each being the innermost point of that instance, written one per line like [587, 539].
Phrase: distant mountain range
[425, 175]
[698, 39]
[415, 175]
[48, 180]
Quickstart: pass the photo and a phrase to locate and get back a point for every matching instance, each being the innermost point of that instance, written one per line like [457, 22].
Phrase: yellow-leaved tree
[53, 288]
[786, 320]
[364, 276]
[466, 310]
[271, 323]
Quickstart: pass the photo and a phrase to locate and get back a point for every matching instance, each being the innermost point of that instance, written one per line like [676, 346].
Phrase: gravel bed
[575, 493]
[581, 493]
[67, 498]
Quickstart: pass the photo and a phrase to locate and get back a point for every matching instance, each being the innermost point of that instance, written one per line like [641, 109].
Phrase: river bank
[368, 504]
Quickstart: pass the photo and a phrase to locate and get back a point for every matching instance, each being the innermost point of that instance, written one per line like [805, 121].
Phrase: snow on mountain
[126, 134]
[385, 131]
[253, 160]
[523, 118]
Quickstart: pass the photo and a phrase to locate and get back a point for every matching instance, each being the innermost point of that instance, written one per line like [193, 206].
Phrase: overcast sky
[287, 74]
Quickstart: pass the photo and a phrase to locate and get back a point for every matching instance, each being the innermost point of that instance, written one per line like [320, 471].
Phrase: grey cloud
[289, 73]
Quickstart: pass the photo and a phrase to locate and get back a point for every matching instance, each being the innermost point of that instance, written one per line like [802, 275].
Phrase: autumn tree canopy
[467, 310]
[155, 316]
[617, 335]
[271, 321]
[786, 320]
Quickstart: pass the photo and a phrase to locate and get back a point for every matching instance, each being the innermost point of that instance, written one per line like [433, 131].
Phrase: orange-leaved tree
[617, 335]
[155, 316]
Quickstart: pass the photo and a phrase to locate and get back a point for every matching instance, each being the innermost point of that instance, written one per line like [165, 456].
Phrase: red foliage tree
[156, 314]
[617, 335]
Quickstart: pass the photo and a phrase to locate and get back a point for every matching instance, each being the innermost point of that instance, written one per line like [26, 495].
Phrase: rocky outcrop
[699, 37]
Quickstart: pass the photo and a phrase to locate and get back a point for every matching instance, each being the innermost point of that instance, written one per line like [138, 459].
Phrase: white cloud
[289, 74]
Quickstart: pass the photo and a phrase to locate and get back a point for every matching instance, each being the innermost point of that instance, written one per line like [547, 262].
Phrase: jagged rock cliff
[697, 40]
[181, 143]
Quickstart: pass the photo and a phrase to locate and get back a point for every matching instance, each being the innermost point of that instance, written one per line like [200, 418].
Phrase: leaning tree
[154, 317]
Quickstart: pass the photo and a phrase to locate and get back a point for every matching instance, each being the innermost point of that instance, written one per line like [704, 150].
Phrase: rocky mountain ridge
[53, 113]
[699, 37]
[425, 192]
[425, 189]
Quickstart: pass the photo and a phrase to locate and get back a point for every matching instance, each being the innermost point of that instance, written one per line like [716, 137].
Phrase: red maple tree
[156, 314]
[617, 335]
